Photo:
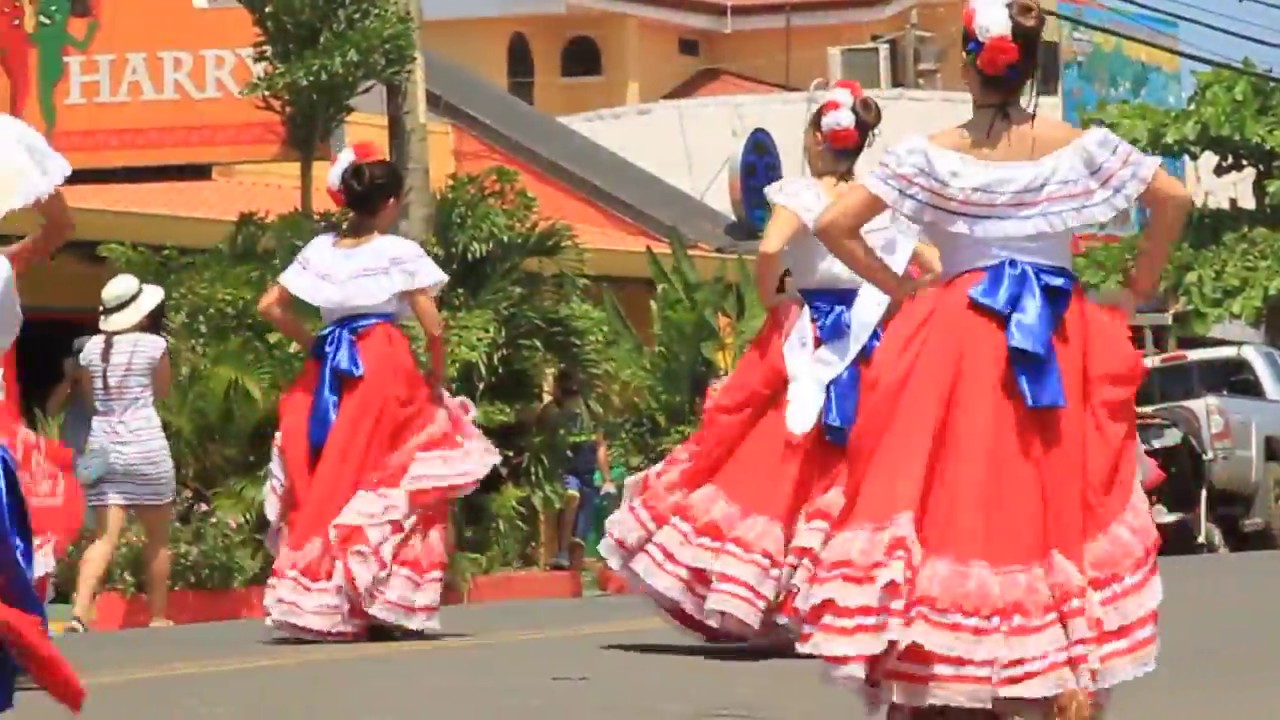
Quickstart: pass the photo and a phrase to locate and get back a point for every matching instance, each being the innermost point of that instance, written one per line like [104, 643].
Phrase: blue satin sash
[832, 312]
[17, 565]
[1031, 298]
[339, 357]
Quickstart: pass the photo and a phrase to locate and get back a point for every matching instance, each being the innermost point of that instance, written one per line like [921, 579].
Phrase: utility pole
[909, 51]
[407, 131]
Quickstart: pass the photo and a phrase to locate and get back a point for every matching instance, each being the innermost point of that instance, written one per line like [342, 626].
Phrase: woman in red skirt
[370, 451]
[992, 548]
[712, 532]
[36, 485]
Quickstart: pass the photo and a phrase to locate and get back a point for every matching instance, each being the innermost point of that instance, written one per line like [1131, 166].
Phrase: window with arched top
[520, 67]
[580, 58]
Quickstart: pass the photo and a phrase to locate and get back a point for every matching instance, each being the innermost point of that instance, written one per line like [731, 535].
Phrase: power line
[1200, 23]
[1193, 57]
[1177, 41]
[1203, 10]
[1264, 3]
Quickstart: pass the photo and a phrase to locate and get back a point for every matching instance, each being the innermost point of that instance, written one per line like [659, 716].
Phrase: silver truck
[1213, 424]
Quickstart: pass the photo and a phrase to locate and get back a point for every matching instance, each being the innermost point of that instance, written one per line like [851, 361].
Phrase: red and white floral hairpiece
[838, 122]
[360, 152]
[990, 29]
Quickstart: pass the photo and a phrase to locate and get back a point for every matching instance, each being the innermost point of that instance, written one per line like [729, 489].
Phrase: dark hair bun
[1028, 30]
[1028, 20]
[367, 187]
[867, 110]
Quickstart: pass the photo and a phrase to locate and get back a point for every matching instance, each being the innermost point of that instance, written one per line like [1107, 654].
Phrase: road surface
[611, 659]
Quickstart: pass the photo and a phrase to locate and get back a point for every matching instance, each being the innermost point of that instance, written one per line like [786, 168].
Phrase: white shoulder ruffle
[30, 170]
[803, 196]
[1086, 183]
[329, 277]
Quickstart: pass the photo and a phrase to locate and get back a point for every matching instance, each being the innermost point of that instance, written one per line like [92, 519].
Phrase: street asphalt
[610, 658]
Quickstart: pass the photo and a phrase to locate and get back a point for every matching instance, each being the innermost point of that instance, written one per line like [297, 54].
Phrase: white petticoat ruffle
[365, 576]
[30, 169]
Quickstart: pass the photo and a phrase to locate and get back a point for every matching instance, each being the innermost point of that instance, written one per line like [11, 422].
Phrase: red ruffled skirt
[982, 550]
[360, 537]
[46, 470]
[712, 532]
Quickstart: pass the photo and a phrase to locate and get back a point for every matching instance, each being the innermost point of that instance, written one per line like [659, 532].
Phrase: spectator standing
[124, 370]
[567, 413]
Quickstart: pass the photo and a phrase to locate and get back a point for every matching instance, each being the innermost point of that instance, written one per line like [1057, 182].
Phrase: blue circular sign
[757, 166]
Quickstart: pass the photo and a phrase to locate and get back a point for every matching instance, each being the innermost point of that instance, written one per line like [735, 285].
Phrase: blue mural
[1098, 68]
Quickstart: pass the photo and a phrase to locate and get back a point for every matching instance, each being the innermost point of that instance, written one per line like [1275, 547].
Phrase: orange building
[570, 56]
[168, 152]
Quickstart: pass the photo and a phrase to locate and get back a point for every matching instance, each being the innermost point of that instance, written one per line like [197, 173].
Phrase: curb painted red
[611, 582]
[524, 585]
[117, 611]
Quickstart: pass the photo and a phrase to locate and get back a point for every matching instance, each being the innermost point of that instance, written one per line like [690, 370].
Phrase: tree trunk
[407, 131]
[306, 178]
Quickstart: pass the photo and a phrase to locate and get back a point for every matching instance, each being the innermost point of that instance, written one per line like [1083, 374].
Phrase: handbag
[92, 464]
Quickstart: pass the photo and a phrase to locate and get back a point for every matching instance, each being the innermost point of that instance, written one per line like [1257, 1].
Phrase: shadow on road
[720, 653]
[376, 638]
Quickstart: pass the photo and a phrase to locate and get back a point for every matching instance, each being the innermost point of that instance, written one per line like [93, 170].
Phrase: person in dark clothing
[588, 453]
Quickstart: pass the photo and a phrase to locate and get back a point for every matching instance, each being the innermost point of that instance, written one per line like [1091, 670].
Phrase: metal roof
[543, 142]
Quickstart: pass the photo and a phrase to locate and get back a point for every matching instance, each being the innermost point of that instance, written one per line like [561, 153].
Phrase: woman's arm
[162, 377]
[840, 229]
[54, 232]
[84, 387]
[1168, 203]
[424, 308]
[61, 393]
[276, 307]
[783, 225]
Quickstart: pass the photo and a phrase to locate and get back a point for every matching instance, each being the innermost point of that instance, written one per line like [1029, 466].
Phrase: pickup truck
[1225, 400]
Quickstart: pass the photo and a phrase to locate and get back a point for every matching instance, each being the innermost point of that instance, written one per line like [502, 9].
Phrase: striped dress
[125, 422]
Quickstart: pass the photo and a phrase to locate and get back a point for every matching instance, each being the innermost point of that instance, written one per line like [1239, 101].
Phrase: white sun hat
[127, 301]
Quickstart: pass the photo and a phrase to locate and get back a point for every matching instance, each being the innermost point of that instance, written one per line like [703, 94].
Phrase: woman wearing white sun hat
[125, 369]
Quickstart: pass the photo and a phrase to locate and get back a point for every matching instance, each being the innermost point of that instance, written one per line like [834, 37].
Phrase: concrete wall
[689, 143]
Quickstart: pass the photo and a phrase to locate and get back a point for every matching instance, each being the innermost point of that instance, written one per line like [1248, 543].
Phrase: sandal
[76, 625]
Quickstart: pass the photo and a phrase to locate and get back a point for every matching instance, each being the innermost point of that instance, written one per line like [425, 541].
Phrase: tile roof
[216, 199]
[714, 82]
[589, 170]
[595, 227]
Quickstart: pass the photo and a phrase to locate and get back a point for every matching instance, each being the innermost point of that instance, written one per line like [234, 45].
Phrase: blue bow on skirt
[17, 566]
[1031, 298]
[832, 313]
[339, 357]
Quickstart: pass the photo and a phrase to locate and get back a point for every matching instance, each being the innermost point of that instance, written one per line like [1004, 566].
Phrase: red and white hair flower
[358, 153]
[838, 122]
[990, 29]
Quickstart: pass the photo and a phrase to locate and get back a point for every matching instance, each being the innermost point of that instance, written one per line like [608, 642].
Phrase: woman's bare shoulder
[1040, 137]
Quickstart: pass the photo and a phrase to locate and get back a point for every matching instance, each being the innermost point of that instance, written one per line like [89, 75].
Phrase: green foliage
[316, 57]
[210, 551]
[517, 307]
[666, 380]
[1228, 264]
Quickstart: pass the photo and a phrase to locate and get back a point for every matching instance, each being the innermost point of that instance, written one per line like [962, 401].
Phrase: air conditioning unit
[871, 65]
